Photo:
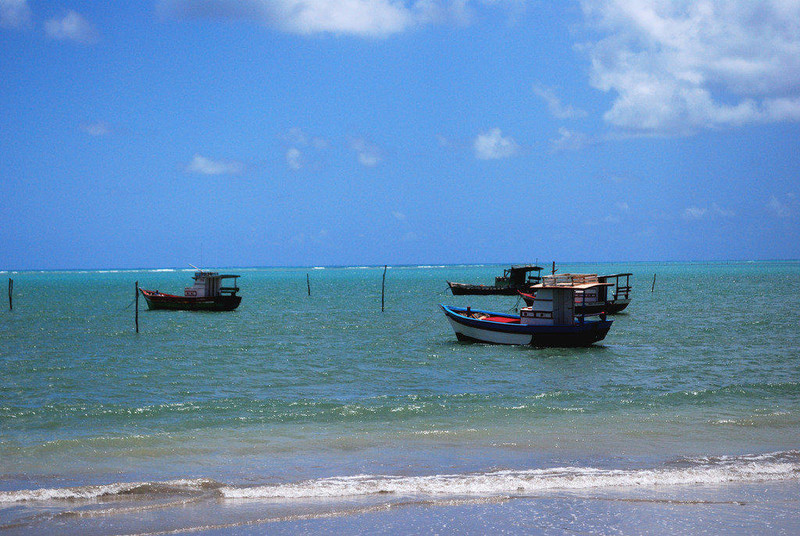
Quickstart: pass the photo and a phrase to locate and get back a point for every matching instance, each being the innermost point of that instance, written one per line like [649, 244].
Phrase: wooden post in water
[308, 284]
[383, 286]
[554, 267]
[137, 307]
[10, 294]
[654, 283]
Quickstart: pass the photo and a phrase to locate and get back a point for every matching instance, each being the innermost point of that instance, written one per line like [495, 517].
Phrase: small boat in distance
[551, 321]
[514, 279]
[207, 294]
[609, 297]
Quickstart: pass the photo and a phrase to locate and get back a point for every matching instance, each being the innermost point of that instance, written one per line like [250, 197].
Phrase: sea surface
[322, 414]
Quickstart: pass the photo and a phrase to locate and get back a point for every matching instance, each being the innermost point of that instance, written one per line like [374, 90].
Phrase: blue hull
[506, 329]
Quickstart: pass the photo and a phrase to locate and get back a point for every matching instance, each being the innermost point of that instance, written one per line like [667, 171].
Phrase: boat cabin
[591, 295]
[517, 276]
[209, 284]
[555, 301]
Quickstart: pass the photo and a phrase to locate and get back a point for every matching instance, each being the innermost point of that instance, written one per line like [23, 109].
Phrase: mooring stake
[383, 286]
[137, 307]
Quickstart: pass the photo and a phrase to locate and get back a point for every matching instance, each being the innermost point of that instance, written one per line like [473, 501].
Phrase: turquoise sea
[322, 414]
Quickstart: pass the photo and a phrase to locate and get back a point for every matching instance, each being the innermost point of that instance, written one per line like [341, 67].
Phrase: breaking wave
[686, 471]
[702, 471]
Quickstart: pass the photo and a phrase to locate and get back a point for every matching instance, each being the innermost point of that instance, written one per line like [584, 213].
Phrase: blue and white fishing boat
[550, 321]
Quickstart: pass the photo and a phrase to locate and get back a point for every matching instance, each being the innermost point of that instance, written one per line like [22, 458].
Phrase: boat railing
[622, 292]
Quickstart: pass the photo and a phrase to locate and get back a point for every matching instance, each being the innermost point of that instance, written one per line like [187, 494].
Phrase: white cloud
[555, 106]
[302, 148]
[699, 213]
[355, 17]
[569, 140]
[782, 208]
[694, 213]
[677, 67]
[622, 206]
[15, 14]
[444, 141]
[399, 216]
[97, 129]
[205, 166]
[294, 158]
[72, 27]
[368, 155]
[296, 136]
[365, 18]
[492, 145]
[719, 211]
[777, 208]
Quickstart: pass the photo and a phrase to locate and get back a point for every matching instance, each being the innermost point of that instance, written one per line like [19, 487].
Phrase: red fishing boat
[207, 294]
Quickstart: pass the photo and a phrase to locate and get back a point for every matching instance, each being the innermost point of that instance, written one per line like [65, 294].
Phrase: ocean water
[322, 414]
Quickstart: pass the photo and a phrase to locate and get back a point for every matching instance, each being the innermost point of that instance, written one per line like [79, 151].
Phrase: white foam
[105, 490]
[708, 472]
[698, 471]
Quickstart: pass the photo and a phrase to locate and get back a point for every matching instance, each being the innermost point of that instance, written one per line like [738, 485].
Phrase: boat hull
[464, 289]
[507, 330]
[158, 300]
[608, 307]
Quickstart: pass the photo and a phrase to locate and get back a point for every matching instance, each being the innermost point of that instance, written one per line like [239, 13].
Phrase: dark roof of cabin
[213, 275]
[526, 268]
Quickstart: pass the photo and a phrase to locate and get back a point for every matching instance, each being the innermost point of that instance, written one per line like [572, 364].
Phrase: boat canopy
[573, 286]
[576, 281]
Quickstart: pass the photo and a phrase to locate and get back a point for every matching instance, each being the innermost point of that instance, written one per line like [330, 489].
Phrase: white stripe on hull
[495, 337]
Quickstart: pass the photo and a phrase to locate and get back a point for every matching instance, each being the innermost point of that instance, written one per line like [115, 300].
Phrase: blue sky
[333, 132]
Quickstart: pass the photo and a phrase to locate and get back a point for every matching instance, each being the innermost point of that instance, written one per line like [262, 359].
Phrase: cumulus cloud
[492, 145]
[15, 14]
[555, 106]
[72, 27]
[205, 166]
[678, 67]
[368, 155]
[365, 18]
